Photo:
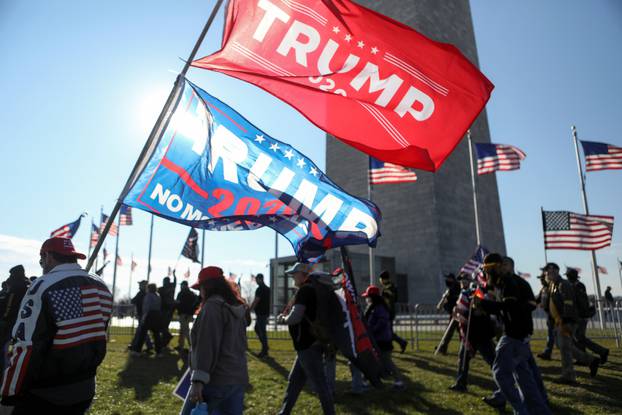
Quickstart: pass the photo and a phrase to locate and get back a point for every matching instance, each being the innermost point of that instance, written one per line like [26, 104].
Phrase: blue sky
[83, 82]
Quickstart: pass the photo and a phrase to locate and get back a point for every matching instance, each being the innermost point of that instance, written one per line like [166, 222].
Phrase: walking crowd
[53, 332]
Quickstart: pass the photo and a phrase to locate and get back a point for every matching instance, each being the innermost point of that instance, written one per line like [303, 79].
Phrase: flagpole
[587, 212]
[116, 257]
[477, 234]
[620, 271]
[156, 133]
[90, 232]
[149, 254]
[202, 248]
[372, 276]
[101, 212]
[129, 291]
[546, 259]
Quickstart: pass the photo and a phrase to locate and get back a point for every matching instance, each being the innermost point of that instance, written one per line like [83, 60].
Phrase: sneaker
[493, 403]
[594, 367]
[458, 387]
[262, 354]
[403, 345]
[544, 356]
[441, 350]
[604, 357]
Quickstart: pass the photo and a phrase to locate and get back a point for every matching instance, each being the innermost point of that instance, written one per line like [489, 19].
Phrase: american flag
[492, 157]
[125, 215]
[94, 235]
[113, 228]
[105, 253]
[601, 156]
[523, 274]
[133, 265]
[568, 230]
[67, 231]
[473, 267]
[119, 261]
[186, 274]
[381, 172]
[602, 270]
[81, 314]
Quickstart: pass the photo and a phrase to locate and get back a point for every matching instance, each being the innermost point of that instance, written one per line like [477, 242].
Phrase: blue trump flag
[214, 170]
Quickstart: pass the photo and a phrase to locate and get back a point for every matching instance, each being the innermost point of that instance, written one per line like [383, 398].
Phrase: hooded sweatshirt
[218, 344]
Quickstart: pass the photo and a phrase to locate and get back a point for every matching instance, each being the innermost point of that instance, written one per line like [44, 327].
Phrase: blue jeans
[261, 321]
[518, 377]
[308, 365]
[220, 399]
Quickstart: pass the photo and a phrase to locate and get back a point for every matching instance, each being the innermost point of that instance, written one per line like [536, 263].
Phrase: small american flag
[94, 235]
[67, 231]
[523, 274]
[125, 215]
[568, 230]
[105, 253]
[81, 314]
[601, 156]
[602, 270]
[113, 228]
[133, 265]
[381, 172]
[473, 267]
[492, 157]
[579, 270]
[186, 274]
[119, 261]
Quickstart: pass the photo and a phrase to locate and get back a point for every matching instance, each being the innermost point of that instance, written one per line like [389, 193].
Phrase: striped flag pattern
[81, 314]
[67, 231]
[601, 156]
[125, 215]
[381, 173]
[114, 229]
[497, 157]
[568, 230]
[473, 267]
[602, 270]
[119, 261]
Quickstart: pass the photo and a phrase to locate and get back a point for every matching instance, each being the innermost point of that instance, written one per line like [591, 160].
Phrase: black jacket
[60, 334]
[562, 294]
[187, 302]
[17, 287]
[517, 303]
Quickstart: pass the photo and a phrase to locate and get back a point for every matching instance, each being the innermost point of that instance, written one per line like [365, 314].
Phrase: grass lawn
[143, 385]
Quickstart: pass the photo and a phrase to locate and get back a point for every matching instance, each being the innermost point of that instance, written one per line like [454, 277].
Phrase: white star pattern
[289, 154]
[259, 139]
[360, 44]
[301, 163]
[273, 219]
[348, 38]
[274, 146]
[313, 171]
[374, 50]
[336, 29]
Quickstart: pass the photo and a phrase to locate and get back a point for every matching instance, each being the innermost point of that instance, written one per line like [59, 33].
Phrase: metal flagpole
[587, 212]
[477, 234]
[101, 212]
[620, 271]
[116, 257]
[546, 259]
[149, 254]
[203, 249]
[156, 133]
[129, 292]
[90, 231]
[372, 275]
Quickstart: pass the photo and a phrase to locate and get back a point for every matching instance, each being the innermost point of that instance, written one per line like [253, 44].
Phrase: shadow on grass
[272, 363]
[388, 400]
[143, 373]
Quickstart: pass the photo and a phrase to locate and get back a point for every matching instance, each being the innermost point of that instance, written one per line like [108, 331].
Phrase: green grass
[144, 385]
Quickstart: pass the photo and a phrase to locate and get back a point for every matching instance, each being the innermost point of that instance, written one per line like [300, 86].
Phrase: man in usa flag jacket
[59, 338]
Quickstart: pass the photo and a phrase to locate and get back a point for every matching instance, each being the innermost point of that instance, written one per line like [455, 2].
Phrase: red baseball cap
[371, 290]
[207, 273]
[62, 246]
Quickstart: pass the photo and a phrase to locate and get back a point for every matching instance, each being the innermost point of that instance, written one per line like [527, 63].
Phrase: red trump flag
[370, 81]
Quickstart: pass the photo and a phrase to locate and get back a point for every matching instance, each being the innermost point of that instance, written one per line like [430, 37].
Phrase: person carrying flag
[514, 369]
[59, 338]
[476, 332]
[16, 286]
[308, 364]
